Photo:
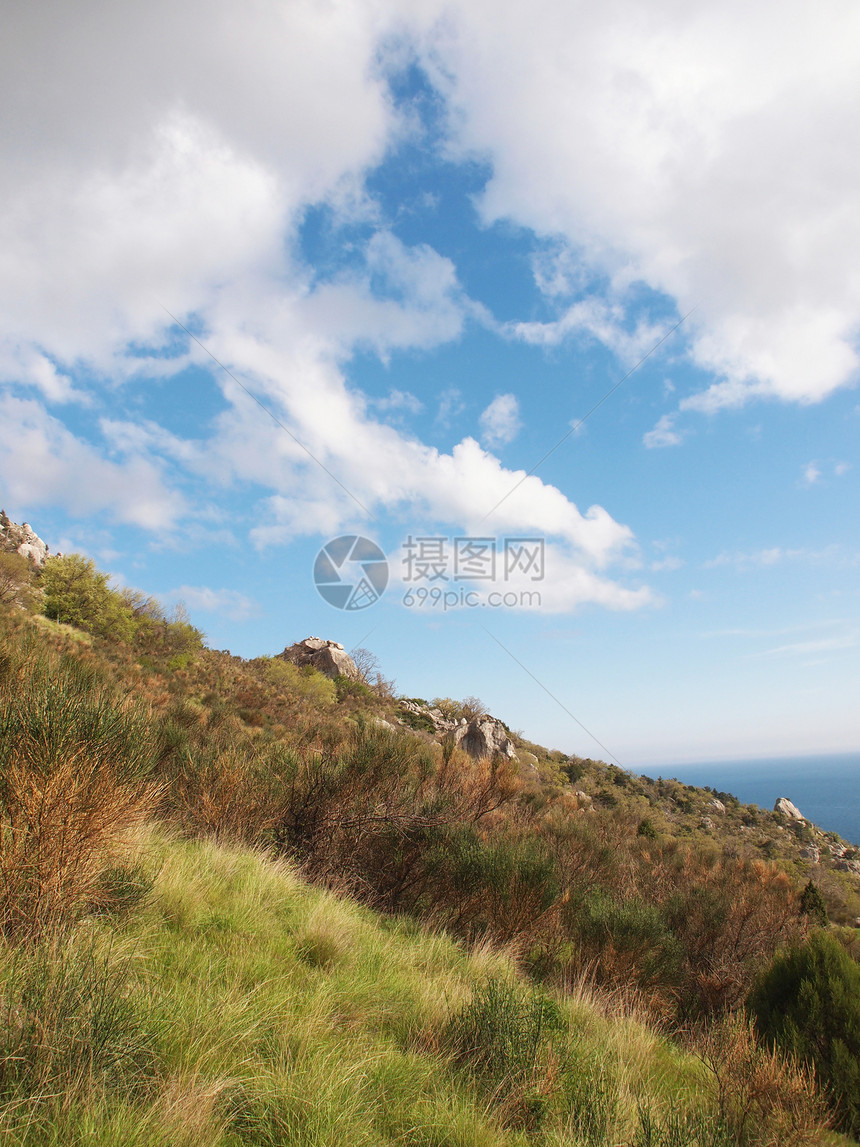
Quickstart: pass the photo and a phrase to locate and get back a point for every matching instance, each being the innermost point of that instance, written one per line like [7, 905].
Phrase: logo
[351, 572]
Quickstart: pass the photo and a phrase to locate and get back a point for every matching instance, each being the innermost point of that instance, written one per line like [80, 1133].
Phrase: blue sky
[429, 245]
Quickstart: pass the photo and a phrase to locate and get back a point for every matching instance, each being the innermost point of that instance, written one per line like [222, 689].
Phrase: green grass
[239, 1005]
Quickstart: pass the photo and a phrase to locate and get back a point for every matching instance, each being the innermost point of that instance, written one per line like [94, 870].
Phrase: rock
[785, 806]
[811, 854]
[583, 798]
[328, 657]
[717, 806]
[482, 737]
[848, 866]
[706, 822]
[485, 737]
[22, 540]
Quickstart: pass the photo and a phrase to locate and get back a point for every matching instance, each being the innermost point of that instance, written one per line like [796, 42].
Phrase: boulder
[23, 540]
[717, 806]
[482, 737]
[788, 809]
[811, 854]
[706, 822]
[328, 657]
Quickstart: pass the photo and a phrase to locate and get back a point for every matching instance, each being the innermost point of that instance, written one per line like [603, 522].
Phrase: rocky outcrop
[717, 806]
[784, 806]
[481, 737]
[328, 657]
[22, 540]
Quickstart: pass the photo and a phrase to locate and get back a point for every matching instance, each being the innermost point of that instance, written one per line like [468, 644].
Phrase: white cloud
[43, 463]
[811, 474]
[819, 645]
[500, 422]
[223, 602]
[774, 555]
[663, 434]
[666, 146]
[593, 317]
[841, 468]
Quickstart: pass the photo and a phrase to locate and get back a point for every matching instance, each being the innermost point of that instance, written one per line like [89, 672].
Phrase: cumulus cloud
[811, 474]
[666, 147]
[500, 422]
[660, 147]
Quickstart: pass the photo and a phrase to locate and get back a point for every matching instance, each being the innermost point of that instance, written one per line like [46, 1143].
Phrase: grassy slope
[241, 1005]
[267, 1011]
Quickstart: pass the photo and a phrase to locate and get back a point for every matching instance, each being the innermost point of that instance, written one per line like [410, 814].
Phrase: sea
[825, 788]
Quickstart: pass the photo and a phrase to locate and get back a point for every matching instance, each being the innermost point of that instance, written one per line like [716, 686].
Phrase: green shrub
[647, 829]
[76, 593]
[812, 904]
[501, 1039]
[808, 1004]
[67, 1025]
[307, 683]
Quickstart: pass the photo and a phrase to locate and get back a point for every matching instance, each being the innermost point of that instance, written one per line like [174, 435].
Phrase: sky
[557, 305]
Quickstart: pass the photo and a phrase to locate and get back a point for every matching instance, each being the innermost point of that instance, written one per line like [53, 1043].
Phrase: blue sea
[826, 789]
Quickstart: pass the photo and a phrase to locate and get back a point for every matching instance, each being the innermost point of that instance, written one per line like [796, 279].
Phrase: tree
[78, 594]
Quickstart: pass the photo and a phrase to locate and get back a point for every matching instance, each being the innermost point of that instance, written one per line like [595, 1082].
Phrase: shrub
[307, 683]
[74, 770]
[14, 579]
[760, 1096]
[808, 1004]
[67, 1024]
[502, 1039]
[812, 904]
[76, 593]
[646, 829]
[469, 708]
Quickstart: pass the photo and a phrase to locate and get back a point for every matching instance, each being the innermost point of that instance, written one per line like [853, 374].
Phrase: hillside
[549, 948]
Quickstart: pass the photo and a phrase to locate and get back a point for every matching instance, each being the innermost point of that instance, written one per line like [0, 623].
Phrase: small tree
[812, 904]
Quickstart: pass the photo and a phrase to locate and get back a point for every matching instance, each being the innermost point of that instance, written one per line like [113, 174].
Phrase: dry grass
[74, 763]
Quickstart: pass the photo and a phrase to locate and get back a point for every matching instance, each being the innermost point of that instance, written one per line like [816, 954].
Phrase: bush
[67, 1026]
[808, 1004]
[647, 829]
[14, 579]
[307, 683]
[76, 593]
[812, 904]
[501, 1039]
[74, 769]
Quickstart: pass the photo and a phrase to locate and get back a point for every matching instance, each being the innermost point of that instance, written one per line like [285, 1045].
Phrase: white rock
[788, 809]
[326, 656]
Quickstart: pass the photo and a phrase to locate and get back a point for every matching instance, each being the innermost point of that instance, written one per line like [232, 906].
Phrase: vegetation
[808, 1004]
[550, 965]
